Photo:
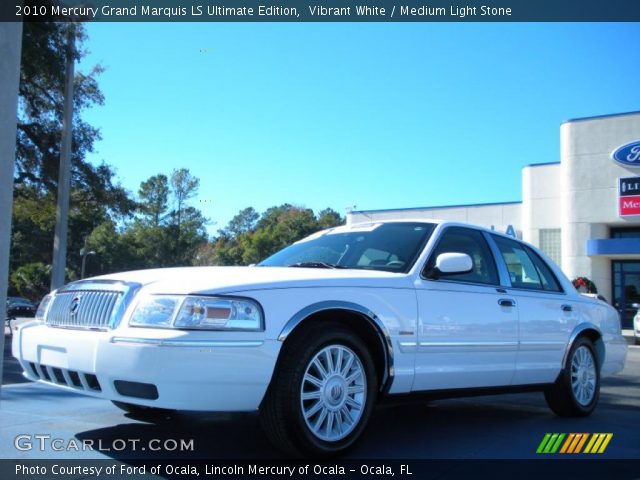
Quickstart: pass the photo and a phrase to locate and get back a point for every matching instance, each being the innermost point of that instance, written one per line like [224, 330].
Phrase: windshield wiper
[316, 265]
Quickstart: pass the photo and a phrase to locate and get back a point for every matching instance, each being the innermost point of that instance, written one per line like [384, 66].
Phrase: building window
[625, 233]
[550, 244]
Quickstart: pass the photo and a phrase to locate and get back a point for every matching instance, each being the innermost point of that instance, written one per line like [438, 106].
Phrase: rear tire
[322, 392]
[576, 391]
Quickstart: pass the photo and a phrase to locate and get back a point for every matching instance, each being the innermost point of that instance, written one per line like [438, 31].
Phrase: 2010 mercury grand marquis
[315, 334]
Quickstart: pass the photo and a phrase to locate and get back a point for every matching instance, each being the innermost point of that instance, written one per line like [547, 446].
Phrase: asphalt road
[505, 427]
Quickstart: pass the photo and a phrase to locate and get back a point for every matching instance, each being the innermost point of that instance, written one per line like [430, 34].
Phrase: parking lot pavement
[510, 426]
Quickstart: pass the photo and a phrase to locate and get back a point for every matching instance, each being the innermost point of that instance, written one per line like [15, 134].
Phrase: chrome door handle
[567, 308]
[506, 302]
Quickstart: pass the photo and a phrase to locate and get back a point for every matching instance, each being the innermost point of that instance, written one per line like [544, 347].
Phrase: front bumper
[189, 370]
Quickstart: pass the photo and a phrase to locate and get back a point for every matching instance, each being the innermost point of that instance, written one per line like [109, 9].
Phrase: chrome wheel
[333, 393]
[583, 376]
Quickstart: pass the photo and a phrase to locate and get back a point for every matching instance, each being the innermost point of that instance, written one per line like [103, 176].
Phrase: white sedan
[314, 335]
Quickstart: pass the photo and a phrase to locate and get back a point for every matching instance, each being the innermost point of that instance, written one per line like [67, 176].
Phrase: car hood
[237, 279]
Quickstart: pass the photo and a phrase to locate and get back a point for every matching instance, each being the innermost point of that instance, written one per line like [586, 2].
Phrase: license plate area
[53, 356]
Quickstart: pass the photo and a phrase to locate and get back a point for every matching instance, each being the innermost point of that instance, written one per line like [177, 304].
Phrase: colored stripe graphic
[581, 443]
[566, 445]
[597, 443]
[593, 440]
[550, 443]
[556, 445]
[605, 443]
[543, 443]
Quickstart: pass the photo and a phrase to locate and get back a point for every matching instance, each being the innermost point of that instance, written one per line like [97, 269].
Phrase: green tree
[184, 186]
[95, 196]
[249, 237]
[329, 218]
[158, 237]
[243, 222]
[32, 280]
[42, 76]
[154, 196]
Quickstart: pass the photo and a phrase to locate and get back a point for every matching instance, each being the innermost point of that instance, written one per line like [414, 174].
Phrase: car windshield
[391, 247]
[18, 300]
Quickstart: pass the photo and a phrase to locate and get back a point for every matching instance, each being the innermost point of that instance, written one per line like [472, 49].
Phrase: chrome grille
[83, 308]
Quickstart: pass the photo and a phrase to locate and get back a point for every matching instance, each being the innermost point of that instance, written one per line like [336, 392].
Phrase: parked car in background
[314, 335]
[20, 307]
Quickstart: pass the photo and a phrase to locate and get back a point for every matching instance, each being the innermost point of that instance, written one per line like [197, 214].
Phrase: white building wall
[578, 195]
[499, 216]
[540, 200]
[589, 183]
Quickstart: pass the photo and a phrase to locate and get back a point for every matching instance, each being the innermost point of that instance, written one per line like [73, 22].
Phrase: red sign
[630, 205]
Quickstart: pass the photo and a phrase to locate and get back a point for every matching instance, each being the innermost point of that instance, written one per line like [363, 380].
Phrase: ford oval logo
[628, 155]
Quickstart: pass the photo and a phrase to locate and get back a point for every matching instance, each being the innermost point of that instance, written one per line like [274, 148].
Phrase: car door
[467, 325]
[547, 316]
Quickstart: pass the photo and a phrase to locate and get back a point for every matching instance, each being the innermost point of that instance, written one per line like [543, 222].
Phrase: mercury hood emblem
[75, 306]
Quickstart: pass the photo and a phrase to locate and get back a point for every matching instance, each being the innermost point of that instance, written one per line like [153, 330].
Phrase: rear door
[467, 325]
[547, 316]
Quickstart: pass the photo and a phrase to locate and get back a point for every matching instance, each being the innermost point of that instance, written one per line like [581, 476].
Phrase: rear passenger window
[526, 268]
[548, 279]
[473, 243]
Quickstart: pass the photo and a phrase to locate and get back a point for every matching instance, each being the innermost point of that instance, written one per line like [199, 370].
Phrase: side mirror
[451, 263]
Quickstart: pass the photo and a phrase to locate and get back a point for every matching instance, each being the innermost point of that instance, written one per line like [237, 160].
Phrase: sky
[371, 115]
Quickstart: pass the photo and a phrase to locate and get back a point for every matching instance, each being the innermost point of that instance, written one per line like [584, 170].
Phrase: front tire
[322, 393]
[576, 391]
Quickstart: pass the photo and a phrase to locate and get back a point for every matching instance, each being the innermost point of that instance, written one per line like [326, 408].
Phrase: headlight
[191, 312]
[155, 311]
[41, 313]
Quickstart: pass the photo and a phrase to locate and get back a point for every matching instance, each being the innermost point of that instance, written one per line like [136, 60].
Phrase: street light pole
[84, 254]
[10, 48]
[64, 176]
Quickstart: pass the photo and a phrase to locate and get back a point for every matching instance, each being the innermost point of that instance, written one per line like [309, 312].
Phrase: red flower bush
[583, 284]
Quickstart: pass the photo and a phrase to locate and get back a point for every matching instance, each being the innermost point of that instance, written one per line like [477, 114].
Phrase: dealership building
[583, 211]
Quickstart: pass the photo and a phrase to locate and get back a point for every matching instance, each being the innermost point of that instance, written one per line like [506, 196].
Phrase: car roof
[430, 221]
[446, 223]
[439, 222]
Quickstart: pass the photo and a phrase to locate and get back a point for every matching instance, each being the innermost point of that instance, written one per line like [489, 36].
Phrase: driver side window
[473, 243]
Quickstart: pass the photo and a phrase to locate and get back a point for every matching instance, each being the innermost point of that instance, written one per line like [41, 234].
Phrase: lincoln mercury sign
[629, 196]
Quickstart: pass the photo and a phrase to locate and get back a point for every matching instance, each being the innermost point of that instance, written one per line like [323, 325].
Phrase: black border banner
[321, 10]
[309, 469]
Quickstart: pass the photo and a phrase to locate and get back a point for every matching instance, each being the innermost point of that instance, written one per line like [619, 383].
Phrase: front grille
[83, 308]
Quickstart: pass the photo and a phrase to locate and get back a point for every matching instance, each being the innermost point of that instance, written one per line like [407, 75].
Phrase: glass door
[626, 289]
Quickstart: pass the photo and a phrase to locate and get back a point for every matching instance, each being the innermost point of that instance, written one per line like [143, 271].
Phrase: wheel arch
[591, 332]
[363, 321]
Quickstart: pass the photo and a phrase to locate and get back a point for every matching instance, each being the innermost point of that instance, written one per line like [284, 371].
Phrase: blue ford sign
[628, 155]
